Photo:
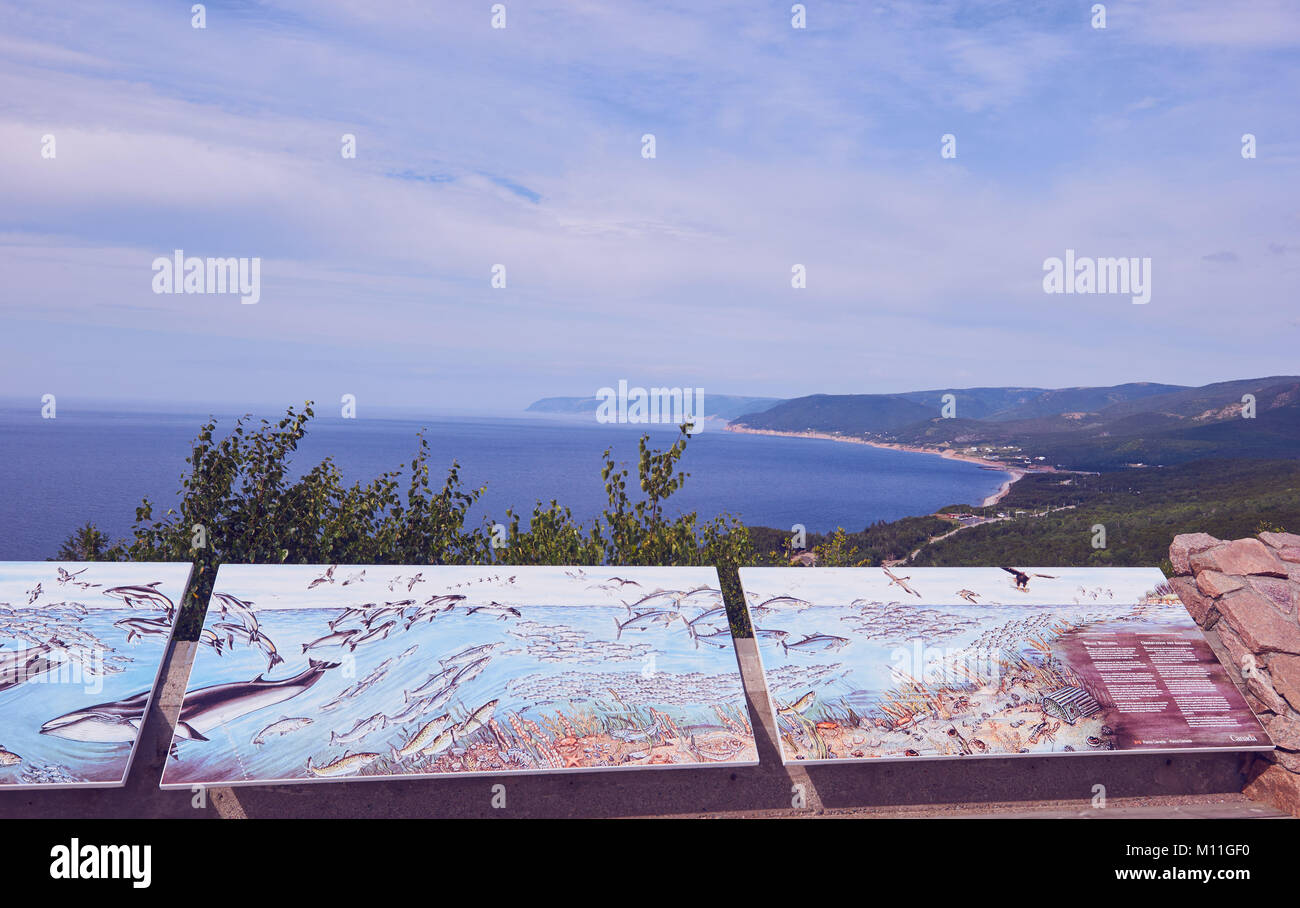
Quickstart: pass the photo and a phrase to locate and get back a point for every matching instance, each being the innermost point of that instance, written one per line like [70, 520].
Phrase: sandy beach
[1015, 473]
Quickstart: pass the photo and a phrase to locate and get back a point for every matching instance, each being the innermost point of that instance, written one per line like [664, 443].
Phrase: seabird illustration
[968, 595]
[65, 576]
[899, 581]
[1022, 578]
[327, 577]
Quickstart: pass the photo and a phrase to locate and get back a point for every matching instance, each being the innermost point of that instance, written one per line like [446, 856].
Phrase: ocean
[55, 474]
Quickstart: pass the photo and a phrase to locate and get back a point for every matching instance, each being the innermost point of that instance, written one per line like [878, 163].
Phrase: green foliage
[636, 532]
[85, 544]
[1142, 511]
[880, 542]
[839, 552]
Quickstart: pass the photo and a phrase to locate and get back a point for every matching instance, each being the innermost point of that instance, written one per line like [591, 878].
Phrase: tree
[85, 544]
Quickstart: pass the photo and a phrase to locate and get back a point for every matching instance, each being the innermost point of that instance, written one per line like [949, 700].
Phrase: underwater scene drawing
[881, 663]
[81, 646]
[361, 671]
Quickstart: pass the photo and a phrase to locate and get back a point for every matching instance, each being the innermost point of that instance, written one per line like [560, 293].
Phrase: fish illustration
[439, 679]
[721, 639]
[470, 672]
[798, 706]
[414, 709]
[472, 654]
[344, 766]
[477, 719]
[644, 620]
[281, 726]
[423, 738]
[209, 707]
[776, 601]
[441, 743]
[815, 643]
[669, 595]
[362, 729]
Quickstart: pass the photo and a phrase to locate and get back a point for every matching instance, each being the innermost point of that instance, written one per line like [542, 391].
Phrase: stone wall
[1245, 595]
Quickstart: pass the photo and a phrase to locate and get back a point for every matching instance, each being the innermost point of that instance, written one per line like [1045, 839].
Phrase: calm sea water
[97, 466]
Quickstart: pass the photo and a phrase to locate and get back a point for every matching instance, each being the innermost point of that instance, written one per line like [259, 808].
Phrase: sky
[522, 146]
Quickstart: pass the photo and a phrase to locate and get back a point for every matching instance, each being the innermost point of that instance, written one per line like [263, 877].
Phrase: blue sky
[521, 146]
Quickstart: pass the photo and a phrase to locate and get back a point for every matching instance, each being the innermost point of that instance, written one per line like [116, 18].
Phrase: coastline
[1015, 474]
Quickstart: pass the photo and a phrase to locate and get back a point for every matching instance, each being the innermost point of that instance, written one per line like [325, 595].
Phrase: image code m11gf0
[1223, 850]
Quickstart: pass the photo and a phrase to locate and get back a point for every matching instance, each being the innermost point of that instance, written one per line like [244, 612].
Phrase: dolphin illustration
[104, 723]
[209, 707]
[145, 595]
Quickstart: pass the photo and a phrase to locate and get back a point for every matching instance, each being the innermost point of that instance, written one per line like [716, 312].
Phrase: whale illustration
[209, 707]
[104, 723]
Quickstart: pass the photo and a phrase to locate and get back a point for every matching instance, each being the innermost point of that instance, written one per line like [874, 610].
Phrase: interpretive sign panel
[922, 663]
[314, 673]
[81, 646]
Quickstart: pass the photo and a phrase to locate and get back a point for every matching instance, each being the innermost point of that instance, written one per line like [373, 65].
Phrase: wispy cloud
[522, 147]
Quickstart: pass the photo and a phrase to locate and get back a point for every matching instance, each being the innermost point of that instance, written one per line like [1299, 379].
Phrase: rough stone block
[1187, 545]
[1279, 787]
[1280, 540]
[1261, 627]
[1243, 556]
[1214, 584]
[1284, 670]
[1199, 606]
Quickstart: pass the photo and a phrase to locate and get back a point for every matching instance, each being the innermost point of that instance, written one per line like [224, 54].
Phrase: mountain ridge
[1090, 428]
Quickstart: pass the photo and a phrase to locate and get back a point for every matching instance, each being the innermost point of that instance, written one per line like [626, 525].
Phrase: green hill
[839, 414]
[1142, 510]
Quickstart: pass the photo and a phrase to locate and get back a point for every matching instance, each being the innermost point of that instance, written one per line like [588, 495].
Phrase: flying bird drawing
[327, 577]
[900, 581]
[1022, 578]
